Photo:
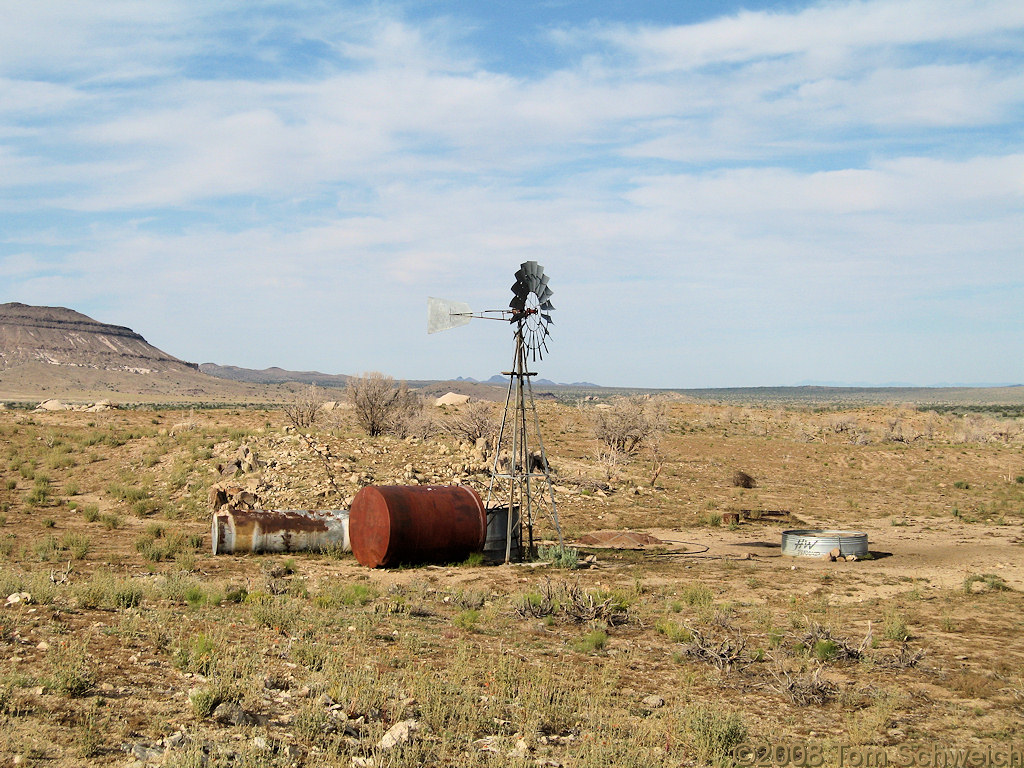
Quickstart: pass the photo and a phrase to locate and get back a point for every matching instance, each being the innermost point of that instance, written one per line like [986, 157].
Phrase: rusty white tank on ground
[819, 542]
[280, 530]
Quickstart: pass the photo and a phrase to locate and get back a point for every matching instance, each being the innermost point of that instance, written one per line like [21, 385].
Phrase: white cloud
[240, 176]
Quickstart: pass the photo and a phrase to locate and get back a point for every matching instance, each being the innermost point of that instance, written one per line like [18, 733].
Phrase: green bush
[77, 544]
[991, 582]
[595, 640]
[825, 650]
[713, 734]
[467, 619]
[559, 556]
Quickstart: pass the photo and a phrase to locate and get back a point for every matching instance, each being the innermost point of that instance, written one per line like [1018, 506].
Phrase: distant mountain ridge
[62, 337]
[274, 375]
[499, 379]
[48, 352]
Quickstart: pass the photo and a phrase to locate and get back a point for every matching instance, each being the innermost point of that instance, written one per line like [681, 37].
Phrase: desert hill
[63, 337]
[57, 352]
[274, 375]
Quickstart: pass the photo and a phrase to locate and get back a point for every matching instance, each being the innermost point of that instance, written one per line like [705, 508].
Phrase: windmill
[520, 488]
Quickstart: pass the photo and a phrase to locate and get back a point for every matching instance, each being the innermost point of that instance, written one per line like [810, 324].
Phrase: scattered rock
[520, 750]
[487, 744]
[19, 597]
[653, 701]
[177, 740]
[52, 405]
[401, 732]
[144, 751]
[451, 398]
[230, 713]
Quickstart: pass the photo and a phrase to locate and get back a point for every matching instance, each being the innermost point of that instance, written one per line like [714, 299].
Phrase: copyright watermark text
[812, 755]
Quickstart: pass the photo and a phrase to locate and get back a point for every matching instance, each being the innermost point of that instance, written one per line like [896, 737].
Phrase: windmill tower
[520, 491]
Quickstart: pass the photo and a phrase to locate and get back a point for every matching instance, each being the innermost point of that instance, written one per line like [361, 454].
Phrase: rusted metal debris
[274, 530]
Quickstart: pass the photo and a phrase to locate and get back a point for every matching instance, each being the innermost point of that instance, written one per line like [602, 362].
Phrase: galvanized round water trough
[817, 543]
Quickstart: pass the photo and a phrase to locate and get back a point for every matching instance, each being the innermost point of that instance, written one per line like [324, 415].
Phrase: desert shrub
[77, 544]
[354, 594]
[628, 424]
[895, 628]
[274, 614]
[697, 595]
[304, 411]
[560, 556]
[988, 581]
[110, 521]
[472, 421]
[39, 496]
[72, 672]
[409, 417]
[713, 734]
[825, 650]
[962, 485]
[593, 641]
[375, 399]
[131, 494]
[467, 619]
[743, 480]
[674, 632]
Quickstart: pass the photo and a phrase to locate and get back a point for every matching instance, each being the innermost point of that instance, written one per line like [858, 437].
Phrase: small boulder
[51, 405]
[230, 713]
[653, 701]
[400, 733]
[451, 398]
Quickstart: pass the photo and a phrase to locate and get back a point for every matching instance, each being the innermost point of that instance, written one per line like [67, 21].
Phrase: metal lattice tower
[520, 476]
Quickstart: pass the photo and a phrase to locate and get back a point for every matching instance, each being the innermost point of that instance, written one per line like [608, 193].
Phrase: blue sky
[723, 194]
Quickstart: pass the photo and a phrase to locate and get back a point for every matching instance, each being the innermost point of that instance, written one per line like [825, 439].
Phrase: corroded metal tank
[274, 530]
[497, 535]
[393, 524]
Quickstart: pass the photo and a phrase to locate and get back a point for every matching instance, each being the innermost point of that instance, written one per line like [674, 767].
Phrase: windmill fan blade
[443, 314]
[518, 302]
[544, 294]
[548, 306]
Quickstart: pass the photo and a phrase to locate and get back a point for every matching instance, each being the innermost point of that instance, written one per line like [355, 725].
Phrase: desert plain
[125, 641]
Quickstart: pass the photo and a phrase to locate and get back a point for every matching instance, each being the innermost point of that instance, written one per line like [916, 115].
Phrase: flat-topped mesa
[61, 336]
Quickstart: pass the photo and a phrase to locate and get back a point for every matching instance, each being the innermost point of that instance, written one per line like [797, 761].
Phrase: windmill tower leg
[526, 498]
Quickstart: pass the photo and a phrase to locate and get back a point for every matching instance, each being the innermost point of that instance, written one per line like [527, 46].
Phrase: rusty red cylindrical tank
[393, 524]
